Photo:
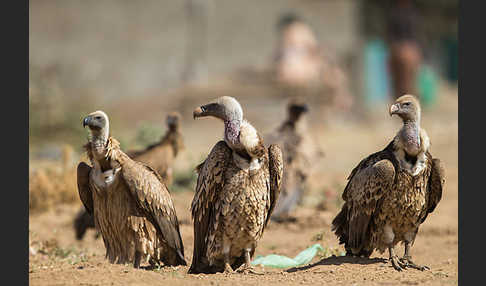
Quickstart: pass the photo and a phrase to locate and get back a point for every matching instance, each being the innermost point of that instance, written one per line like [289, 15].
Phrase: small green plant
[184, 180]
[62, 252]
[318, 236]
[330, 251]
[148, 133]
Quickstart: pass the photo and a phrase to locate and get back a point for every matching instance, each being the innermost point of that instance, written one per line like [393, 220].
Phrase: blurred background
[140, 60]
[144, 59]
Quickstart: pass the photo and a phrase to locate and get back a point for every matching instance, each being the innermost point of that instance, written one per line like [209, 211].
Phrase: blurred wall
[134, 48]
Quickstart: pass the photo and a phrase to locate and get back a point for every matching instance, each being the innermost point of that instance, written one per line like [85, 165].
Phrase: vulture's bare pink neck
[232, 131]
[410, 137]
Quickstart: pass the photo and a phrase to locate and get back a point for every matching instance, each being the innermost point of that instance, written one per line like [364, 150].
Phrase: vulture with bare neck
[301, 154]
[160, 156]
[390, 193]
[237, 188]
[130, 204]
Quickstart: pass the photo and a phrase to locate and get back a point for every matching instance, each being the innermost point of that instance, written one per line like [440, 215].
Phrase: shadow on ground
[338, 260]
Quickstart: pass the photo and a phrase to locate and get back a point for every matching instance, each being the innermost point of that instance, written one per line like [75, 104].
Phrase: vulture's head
[296, 108]
[225, 108]
[173, 120]
[407, 107]
[97, 122]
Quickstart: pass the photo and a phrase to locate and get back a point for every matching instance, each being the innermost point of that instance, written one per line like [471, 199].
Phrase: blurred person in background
[298, 58]
[405, 57]
[300, 61]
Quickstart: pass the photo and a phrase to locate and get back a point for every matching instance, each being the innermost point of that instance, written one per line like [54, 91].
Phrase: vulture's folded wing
[435, 186]
[275, 167]
[210, 182]
[153, 198]
[84, 188]
[365, 188]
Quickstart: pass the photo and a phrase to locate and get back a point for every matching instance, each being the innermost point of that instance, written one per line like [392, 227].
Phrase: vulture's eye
[98, 117]
[406, 104]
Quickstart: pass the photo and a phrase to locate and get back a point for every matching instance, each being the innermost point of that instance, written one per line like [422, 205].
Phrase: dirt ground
[57, 258]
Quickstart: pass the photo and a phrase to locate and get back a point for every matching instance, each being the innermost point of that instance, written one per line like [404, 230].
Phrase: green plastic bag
[280, 261]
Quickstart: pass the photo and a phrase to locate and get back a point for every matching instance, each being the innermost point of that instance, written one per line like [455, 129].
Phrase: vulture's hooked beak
[305, 108]
[86, 121]
[198, 112]
[211, 109]
[394, 109]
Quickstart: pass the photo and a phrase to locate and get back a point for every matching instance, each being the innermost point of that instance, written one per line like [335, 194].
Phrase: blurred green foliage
[148, 133]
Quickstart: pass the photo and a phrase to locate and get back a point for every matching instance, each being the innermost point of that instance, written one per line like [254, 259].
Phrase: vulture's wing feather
[210, 183]
[435, 186]
[147, 189]
[275, 167]
[364, 190]
[84, 188]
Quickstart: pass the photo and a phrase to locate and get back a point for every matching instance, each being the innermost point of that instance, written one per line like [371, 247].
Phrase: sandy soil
[58, 259]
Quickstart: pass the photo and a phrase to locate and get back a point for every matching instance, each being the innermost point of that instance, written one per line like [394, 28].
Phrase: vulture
[300, 154]
[237, 187]
[159, 156]
[82, 223]
[391, 192]
[130, 204]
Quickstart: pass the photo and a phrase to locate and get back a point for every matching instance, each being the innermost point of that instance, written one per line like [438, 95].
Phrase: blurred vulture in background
[159, 156]
[82, 223]
[391, 192]
[237, 188]
[300, 153]
[129, 202]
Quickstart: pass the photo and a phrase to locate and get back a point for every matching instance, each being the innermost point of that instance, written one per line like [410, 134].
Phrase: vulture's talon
[407, 261]
[396, 263]
[249, 270]
[228, 269]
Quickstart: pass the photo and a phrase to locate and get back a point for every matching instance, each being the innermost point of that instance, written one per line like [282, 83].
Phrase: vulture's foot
[228, 269]
[407, 262]
[247, 269]
[396, 263]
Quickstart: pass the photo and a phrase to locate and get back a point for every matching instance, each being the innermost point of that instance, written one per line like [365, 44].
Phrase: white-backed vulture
[237, 187]
[300, 154]
[130, 204]
[391, 192]
[161, 155]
